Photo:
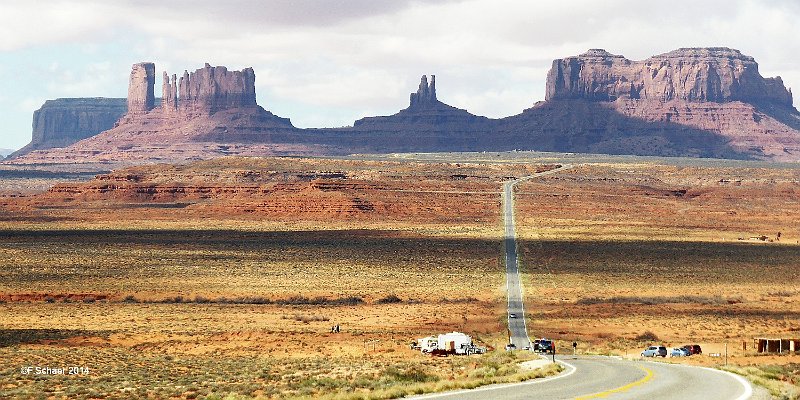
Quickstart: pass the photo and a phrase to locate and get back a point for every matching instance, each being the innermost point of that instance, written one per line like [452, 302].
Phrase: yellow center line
[602, 395]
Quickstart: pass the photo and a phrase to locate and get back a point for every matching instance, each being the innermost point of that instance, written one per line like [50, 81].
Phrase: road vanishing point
[593, 377]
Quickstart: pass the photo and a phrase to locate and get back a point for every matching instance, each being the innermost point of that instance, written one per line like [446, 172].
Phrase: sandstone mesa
[698, 102]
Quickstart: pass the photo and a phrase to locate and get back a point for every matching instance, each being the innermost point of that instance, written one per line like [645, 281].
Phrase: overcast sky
[328, 63]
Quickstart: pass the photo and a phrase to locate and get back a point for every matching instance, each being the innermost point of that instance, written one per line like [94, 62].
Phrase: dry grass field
[620, 256]
[226, 276]
[187, 306]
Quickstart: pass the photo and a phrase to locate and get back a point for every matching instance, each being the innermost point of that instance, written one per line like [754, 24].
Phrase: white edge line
[748, 388]
[500, 385]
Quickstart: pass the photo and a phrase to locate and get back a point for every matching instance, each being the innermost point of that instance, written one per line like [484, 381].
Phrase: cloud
[327, 63]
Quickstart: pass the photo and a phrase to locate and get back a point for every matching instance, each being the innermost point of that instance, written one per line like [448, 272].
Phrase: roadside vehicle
[655, 351]
[693, 349]
[680, 352]
[511, 347]
[544, 346]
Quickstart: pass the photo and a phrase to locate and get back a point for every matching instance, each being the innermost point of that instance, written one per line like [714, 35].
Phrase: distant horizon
[327, 67]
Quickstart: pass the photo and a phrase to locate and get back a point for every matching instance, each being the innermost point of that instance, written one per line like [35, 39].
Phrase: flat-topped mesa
[714, 74]
[426, 94]
[62, 122]
[141, 85]
[211, 89]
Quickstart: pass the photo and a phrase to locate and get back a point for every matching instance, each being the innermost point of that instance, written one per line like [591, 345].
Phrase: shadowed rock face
[200, 117]
[425, 113]
[141, 95]
[62, 122]
[693, 74]
[426, 94]
[708, 102]
[716, 91]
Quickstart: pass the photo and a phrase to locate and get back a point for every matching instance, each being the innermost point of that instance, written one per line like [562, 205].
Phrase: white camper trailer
[428, 344]
[455, 342]
[448, 343]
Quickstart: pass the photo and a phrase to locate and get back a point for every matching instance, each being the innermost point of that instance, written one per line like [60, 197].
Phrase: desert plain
[224, 278]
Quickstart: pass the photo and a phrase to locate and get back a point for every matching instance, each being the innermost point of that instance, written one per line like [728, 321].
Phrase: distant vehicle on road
[512, 315]
[693, 348]
[511, 347]
[655, 351]
[544, 346]
[680, 352]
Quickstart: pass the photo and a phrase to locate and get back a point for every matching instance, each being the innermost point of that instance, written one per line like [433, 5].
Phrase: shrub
[390, 299]
[130, 299]
[647, 336]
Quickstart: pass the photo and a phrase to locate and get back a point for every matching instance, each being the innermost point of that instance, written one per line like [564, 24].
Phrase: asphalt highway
[594, 377]
[518, 331]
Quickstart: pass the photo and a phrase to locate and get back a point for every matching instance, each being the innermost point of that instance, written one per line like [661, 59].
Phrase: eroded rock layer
[714, 74]
[697, 102]
[709, 102]
[62, 122]
[141, 94]
[208, 113]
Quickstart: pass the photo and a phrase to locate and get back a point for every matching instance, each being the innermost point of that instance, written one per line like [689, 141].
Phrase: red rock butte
[696, 102]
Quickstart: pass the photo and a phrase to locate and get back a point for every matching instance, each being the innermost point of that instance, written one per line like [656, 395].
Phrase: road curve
[594, 377]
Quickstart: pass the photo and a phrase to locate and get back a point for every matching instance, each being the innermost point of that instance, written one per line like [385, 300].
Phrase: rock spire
[141, 95]
[169, 90]
[426, 94]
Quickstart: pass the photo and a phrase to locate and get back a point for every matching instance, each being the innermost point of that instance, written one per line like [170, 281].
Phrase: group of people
[335, 328]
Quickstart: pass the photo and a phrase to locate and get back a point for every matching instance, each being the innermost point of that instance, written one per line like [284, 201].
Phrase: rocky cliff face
[697, 102]
[692, 101]
[62, 122]
[208, 113]
[692, 74]
[169, 93]
[141, 94]
[211, 89]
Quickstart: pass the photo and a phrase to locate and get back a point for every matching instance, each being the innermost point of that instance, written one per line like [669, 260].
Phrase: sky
[328, 63]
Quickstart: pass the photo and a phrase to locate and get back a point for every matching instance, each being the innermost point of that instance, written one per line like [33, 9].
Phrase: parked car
[511, 347]
[693, 348]
[544, 346]
[680, 352]
[655, 351]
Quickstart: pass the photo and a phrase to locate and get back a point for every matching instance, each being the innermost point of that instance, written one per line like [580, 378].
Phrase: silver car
[655, 351]
[679, 352]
